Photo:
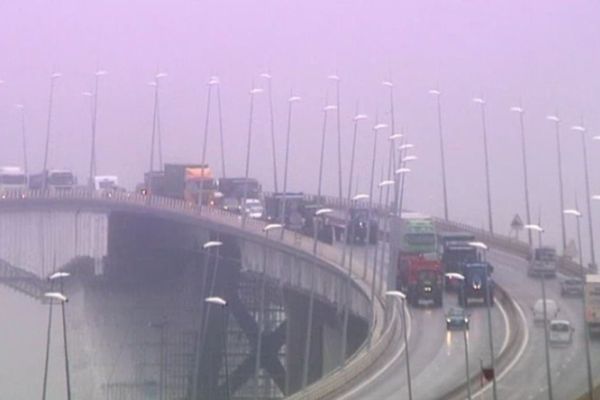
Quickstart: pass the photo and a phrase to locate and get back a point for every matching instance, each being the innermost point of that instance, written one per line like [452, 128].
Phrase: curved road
[437, 358]
[569, 373]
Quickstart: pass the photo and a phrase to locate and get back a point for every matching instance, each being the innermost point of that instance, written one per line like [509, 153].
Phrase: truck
[294, 209]
[419, 271]
[193, 183]
[109, 183]
[455, 252]
[58, 180]
[12, 178]
[478, 284]
[355, 223]
[591, 293]
[543, 262]
[231, 192]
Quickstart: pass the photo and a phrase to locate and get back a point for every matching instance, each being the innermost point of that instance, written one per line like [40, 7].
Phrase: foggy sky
[545, 55]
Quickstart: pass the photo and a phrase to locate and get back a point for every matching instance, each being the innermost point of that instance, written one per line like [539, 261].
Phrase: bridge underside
[141, 330]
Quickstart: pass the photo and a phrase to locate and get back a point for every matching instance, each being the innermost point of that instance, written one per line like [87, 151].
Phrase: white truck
[543, 262]
[12, 178]
[591, 292]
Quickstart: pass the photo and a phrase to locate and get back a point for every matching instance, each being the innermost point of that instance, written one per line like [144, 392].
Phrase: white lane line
[514, 360]
[386, 366]
[507, 324]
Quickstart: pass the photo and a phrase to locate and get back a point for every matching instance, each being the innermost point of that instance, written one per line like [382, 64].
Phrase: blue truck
[478, 284]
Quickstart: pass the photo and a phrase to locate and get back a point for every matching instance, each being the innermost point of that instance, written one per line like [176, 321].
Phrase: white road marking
[386, 366]
[514, 360]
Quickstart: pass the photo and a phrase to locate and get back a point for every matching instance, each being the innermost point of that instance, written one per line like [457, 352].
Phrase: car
[456, 317]
[571, 287]
[552, 310]
[560, 332]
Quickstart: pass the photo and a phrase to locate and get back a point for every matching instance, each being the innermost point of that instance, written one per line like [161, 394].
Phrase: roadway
[569, 373]
[436, 355]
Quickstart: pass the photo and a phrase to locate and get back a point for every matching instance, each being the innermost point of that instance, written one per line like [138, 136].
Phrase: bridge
[139, 328]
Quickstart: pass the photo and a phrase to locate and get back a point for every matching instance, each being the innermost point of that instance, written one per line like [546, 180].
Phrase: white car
[560, 332]
[552, 310]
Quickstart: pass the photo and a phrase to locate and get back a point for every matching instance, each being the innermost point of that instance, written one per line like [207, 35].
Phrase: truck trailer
[190, 182]
[591, 293]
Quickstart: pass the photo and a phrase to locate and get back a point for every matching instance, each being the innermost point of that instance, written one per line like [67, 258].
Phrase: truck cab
[108, 183]
[543, 262]
[478, 284]
[59, 180]
[455, 255]
[359, 224]
[424, 279]
[413, 243]
[232, 192]
[294, 204]
[12, 178]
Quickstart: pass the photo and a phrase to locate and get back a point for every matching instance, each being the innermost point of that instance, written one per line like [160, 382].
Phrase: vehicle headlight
[427, 288]
[448, 320]
[466, 320]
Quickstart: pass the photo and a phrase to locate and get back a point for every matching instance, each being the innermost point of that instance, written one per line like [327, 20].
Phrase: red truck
[421, 278]
[419, 271]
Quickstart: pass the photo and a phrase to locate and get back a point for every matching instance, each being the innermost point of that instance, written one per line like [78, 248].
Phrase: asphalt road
[568, 368]
[437, 358]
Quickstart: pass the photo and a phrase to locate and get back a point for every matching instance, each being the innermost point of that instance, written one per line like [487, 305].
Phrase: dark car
[457, 318]
[571, 287]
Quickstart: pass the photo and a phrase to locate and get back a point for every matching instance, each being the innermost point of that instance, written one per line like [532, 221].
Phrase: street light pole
[248, 148]
[437, 95]
[268, 77]
[261, 313]
[211, 82]
[200, 336]
[221, 135]
[588, 197]
[291, 100]
[21, 109]
[588, 362]
[556, 121]
[326, 109]
[393, 137]
[402, 298]
[357, 118]
[403, 176]
[540, 230]
[220, 302]
[481, 102]
[53, 78]
[62, 299]
[484, 248]
[376, 128]
[520, 111]
[336, 79]
[97, 76]
[349, 274]
[311, 301]
[455, 275]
